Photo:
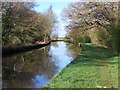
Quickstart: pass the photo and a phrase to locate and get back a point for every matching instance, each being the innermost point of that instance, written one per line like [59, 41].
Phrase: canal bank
[95, 67]
[9, 51]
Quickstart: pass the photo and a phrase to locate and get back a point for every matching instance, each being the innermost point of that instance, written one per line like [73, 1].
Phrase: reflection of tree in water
[73, 50]
[54, 44]
[20, 69]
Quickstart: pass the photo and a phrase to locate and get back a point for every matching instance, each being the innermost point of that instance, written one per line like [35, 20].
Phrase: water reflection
[34, 69]
[40, 80]
[60, 56]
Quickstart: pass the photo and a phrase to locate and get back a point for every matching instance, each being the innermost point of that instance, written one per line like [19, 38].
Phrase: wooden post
[80, 44]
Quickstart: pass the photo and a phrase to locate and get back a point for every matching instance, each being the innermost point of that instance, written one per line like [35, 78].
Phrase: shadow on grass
[95, 55]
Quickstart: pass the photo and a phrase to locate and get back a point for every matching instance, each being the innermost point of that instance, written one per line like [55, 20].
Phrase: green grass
[95, 67]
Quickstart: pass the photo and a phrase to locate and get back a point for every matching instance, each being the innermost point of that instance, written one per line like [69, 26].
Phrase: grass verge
[95, 67]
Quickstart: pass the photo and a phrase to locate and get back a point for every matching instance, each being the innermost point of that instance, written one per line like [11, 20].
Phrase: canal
[35, 68]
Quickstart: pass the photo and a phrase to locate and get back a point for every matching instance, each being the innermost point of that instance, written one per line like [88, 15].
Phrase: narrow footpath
[95, 67]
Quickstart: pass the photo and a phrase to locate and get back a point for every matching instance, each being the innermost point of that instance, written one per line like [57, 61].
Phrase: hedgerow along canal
[34, 69]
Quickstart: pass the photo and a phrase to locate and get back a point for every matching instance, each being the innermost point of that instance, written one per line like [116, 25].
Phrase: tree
[21, 24]
[93, 19]
[15, 21]
[51, 21]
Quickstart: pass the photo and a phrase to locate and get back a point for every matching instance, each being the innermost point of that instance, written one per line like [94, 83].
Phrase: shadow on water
[35, 68]
[7, 52]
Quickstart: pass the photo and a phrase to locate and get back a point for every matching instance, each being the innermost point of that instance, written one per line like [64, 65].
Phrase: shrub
[82, 39]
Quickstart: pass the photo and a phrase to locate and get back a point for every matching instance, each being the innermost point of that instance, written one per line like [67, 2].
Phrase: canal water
[34, 69]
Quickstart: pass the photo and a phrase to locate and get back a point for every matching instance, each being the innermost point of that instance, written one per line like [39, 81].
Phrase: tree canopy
[21, 24]
[98, 20]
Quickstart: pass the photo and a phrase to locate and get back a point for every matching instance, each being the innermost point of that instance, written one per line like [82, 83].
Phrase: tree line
[22, 25]
[95, 22]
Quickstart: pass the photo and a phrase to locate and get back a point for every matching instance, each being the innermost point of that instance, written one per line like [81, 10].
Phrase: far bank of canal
[95, 67]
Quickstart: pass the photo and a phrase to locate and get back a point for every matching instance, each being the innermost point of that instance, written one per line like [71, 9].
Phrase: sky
[57, 8]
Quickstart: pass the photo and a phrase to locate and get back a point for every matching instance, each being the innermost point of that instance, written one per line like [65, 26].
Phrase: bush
[82, 39]
[87, 39]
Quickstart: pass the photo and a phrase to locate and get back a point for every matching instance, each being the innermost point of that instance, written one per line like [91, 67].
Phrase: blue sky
[57, 8]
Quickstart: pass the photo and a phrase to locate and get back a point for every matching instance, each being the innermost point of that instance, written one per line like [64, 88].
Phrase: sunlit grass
[95, 67]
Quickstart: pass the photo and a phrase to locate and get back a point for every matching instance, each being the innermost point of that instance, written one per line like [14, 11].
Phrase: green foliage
[82, 38]
[21, 24]
[103, 37]
[82, 17]
[55, 36]
[116, 40]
